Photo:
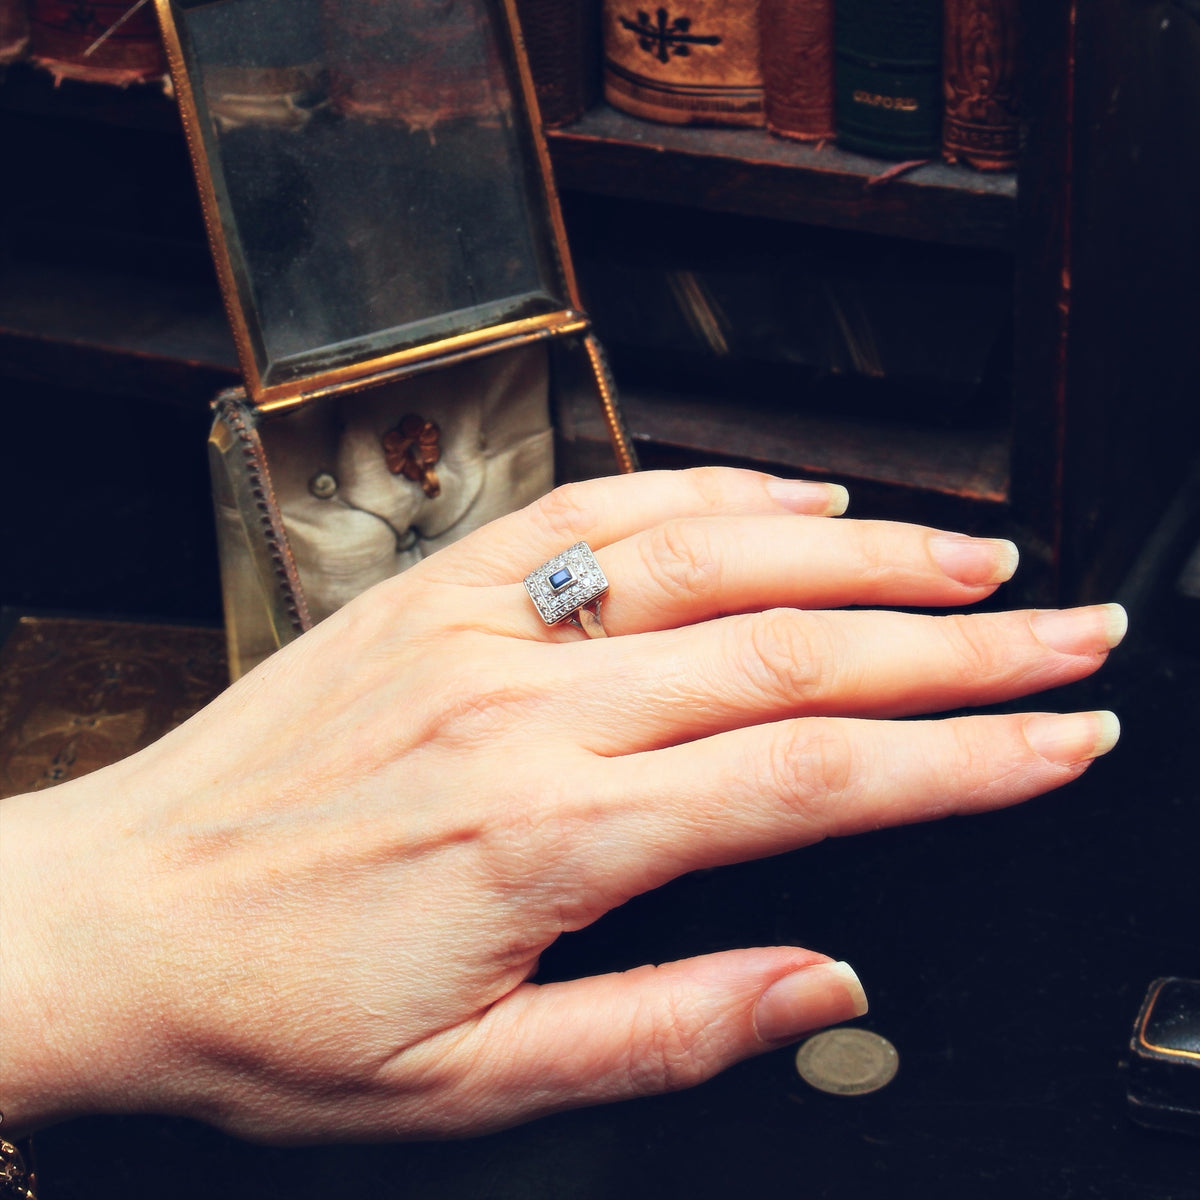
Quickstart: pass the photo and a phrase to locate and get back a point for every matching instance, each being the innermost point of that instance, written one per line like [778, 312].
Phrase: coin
[847, 1062]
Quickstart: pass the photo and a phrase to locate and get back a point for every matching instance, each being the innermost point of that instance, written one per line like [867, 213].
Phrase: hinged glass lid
[374, 187]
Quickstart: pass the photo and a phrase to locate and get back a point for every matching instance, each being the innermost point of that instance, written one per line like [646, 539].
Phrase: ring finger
[691, 569]
[755, 792]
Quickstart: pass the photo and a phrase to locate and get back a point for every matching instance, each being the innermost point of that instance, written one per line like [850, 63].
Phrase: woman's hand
[312, 911]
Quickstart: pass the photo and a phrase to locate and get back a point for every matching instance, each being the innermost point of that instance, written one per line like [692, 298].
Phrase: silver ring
[569, 587]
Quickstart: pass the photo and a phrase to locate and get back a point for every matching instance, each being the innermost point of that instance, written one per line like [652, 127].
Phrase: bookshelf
[750, 172]
[1089, 418]
[1072, 445]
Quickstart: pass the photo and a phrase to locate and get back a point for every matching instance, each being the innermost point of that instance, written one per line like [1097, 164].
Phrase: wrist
[66, 1032]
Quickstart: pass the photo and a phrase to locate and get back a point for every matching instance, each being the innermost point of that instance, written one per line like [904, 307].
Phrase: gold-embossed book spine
[979, 80]
[694, 64]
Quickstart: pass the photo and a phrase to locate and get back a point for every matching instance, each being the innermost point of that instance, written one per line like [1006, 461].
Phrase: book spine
[98, 42]
[562, 42]
[888, 75]
[693, 65]
[14, 30]
[797, 67]
[979, 84]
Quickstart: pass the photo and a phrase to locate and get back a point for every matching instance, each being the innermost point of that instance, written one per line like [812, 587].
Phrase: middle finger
[660, 689]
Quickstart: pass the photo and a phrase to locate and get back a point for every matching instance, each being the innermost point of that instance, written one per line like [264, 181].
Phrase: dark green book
[888, 72]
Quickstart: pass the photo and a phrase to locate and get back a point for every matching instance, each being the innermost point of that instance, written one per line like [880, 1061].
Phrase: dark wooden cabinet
[1086, 421]
[1070, 437]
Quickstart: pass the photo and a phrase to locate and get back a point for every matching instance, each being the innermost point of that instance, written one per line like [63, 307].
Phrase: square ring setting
[566, 583]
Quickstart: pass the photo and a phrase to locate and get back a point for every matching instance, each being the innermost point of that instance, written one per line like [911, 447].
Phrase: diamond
[557, 597]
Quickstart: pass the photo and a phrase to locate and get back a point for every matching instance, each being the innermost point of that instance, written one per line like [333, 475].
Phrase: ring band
[569, 587]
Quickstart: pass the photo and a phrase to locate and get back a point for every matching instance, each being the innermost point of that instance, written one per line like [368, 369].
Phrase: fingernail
[804, 496]
[1088, 630]
[809, 999]
[1072, 737]
[974, 561]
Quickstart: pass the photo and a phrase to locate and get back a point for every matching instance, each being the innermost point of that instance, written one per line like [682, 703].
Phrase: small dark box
[1164, 1065]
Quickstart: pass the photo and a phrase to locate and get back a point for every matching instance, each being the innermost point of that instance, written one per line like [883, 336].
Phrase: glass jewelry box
[393, 261]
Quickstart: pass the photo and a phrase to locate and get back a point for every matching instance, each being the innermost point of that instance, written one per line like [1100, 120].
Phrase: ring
[568, 588]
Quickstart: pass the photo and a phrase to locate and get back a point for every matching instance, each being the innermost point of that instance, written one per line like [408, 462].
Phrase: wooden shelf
[120, 334]
[169, 341]
[750, 172]
[967, 464]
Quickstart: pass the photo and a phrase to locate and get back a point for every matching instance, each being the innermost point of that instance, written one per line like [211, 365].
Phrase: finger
[642, 1032]
[690, 569]
[656, 690]
[601, 511]
[762, 790]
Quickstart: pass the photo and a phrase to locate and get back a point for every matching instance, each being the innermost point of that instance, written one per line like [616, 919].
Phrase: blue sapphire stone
[560, 578]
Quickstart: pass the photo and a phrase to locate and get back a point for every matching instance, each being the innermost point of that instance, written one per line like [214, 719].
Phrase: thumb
[652, 1029]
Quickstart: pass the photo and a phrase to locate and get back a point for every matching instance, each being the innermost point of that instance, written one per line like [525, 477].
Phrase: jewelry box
[394, 265]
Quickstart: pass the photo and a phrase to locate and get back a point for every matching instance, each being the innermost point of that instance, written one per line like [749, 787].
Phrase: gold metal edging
[190, 115]
[1141, 1035]
[269, 397]
[306, 388]
[622, 446]
[234, 415]
[389, 366]
[541, 149]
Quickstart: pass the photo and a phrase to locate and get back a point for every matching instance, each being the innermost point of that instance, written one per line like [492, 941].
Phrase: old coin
[847, 1062]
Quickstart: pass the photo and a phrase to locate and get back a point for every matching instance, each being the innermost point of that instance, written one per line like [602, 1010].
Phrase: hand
[312, 911]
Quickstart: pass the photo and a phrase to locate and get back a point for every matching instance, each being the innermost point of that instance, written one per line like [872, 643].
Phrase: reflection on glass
[368, 167]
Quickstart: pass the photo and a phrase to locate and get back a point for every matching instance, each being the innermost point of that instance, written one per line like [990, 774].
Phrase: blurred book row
[98, 41]
[903, 79]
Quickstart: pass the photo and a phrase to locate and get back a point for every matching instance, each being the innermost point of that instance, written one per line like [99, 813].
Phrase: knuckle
[568, 513]
[666, 1050]
[874, 548]
[679, 556]
[710, 485]
[527, 848]
[971, 757]
[810, 768]
[974, 651]
[786, 654]
[535, 855]
[474, 708]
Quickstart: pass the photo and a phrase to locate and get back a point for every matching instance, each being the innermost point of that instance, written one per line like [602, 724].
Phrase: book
[100, 42]
[979, 84]
[797, 67]
[693, 65]
[562, 42]
[888, 77]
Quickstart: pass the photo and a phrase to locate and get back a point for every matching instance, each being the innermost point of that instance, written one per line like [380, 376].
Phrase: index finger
[602, 511]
